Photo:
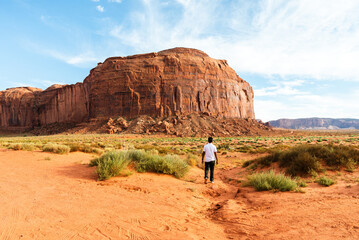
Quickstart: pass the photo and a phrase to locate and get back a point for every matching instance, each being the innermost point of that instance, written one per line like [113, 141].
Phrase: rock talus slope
[172, 82]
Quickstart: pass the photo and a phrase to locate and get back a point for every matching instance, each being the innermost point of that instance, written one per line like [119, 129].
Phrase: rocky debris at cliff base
[192, 125]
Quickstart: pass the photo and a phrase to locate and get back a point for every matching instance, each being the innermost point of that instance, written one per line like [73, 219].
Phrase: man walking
[209, 155]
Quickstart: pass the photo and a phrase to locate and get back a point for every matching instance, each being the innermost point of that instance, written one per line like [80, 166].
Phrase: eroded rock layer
[168, 83]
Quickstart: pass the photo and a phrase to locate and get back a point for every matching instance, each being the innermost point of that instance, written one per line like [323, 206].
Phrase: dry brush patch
[113, 163]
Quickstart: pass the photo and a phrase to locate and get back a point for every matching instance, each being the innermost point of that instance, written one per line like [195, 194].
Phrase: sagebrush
[112, 163]
[271, 181]
[306, 159]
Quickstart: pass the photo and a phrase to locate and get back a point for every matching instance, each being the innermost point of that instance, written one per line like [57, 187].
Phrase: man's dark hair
[210, 139]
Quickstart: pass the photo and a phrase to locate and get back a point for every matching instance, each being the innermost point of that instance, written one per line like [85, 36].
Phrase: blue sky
[300, 56]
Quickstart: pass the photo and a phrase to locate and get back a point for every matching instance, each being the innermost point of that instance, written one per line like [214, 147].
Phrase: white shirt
[209, 149]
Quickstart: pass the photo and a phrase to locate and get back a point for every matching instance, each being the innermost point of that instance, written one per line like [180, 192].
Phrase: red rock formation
[16, 107]
[61, 104]
[172, 82]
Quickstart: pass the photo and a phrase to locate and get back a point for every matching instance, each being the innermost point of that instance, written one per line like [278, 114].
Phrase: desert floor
[50, 196]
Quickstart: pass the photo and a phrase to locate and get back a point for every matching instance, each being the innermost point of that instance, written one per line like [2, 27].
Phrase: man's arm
[203, 153]
[215, 154]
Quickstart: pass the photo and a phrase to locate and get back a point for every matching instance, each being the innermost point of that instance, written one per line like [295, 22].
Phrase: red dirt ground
[61, 199]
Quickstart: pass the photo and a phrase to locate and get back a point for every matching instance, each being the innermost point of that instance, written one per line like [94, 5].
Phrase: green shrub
[306, 159]
[28, 146]
[192, 160]
[169, 164]
[75, 147]
[271, 181]
[301, 183]
[301, 164]
[247, 163]
[56, 148]
[22, 146]
[137, 155]
[142, 161]
[111, 164]
[325, 181]
[98, 151]
[15, 146]
[224, 146]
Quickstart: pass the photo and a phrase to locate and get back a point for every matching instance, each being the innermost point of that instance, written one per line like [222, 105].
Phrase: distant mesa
[316, 123]
[167, 84]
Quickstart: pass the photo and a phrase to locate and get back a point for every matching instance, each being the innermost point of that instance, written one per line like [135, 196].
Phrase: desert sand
[50, 196]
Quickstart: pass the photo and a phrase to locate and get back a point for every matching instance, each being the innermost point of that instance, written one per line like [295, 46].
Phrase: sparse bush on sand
[306, 159]
[22, 146]
[15, 146]
[325, 181]
[192, 160]
[169, 164]
[56, 148]
[86, 148]
[271, 181]
[112, 163]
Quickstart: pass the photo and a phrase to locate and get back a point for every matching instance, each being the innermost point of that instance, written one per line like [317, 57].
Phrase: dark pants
[207, 166]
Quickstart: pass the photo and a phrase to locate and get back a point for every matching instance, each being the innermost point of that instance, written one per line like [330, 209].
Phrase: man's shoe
[212, 181]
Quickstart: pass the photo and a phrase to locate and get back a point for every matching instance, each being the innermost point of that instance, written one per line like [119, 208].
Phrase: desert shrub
[28, 146]
[75, 147]
[137, 155]
[301, 183]
[244, 149]
[306, 159]
[98, 151]
[169, 164]
[271, 181]
[301, 164]
[224, 146]
[142, 161]
[86, 148]
[56, 148]
[192, 159]
[22, 146]
[15, 146]
[111, 164]
[325, 181]
[247, 163]
[268, 160]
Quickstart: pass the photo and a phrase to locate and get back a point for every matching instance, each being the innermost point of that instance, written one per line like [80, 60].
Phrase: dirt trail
[318, 213]
[61, 199]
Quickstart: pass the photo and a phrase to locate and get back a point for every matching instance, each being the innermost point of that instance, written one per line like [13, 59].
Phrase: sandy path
[318, 213]
[60, 199]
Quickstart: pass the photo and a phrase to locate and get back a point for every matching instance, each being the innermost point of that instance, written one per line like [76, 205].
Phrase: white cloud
[115, 1]
[100, 8]
[312, 38]
[95, 0]
[281, 88]
[45, 83]
[85, 59]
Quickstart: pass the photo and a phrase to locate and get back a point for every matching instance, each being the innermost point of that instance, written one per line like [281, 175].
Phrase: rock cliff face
[172, 82]
[16, 107]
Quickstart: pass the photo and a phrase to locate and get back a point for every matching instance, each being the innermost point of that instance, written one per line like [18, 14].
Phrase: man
[209, 155]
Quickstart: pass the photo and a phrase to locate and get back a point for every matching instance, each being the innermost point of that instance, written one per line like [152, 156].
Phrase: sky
[300, 56]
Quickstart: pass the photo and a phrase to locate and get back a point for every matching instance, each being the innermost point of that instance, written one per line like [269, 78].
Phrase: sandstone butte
[172, 82]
